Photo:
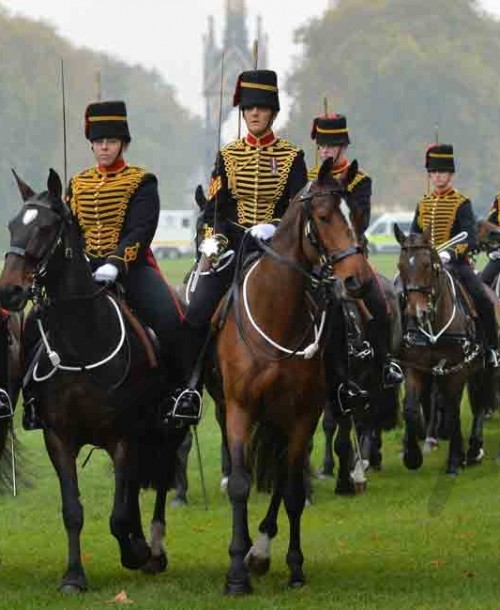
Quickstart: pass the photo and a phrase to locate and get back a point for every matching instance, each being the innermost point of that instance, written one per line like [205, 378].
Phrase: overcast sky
[167, 34]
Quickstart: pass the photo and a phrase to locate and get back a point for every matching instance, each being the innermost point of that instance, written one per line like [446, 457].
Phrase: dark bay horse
[373, 408]
[272, 370]
[440, 347]
[93, 382]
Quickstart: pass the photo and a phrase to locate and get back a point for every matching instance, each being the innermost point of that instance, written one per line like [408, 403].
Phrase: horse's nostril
[352, 284]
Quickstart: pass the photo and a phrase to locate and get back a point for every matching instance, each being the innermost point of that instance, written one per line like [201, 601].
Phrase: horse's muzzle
[14, 298]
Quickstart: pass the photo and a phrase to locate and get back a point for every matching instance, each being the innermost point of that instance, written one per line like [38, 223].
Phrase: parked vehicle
[175, 234]
[380, 234]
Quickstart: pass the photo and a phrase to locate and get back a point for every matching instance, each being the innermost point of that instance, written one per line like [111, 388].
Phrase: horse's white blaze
[344, 208]
[157, 536]
[261, 548]
[29, 216]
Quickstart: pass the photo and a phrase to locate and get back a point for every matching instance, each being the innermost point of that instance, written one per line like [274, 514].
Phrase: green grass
[414, 540]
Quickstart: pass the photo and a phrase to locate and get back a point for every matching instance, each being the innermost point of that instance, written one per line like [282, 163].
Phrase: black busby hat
[257, 88]
[106, 120]
[439, 158]
[330, 130]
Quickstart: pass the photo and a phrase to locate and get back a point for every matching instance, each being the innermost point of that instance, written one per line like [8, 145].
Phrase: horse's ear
[54, 185]
[352, 170]
[325, 169]
[200, 198]
[399, 234]
[26, 191]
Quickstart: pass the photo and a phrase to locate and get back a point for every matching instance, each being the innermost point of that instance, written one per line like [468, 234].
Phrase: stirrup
[192, 400]
[6, 410]
[392, 374]
[492, 358]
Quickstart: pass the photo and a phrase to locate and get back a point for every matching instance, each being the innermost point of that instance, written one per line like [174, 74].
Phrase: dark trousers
[379, 328]
[474, 285]
[490, 272]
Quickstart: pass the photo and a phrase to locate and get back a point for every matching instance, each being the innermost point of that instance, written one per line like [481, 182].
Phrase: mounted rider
[445, 212]
[117, 207]
[492, 269]
[253, 180]
[332, 139]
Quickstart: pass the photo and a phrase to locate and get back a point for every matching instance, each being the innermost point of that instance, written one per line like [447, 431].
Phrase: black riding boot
[379, 335]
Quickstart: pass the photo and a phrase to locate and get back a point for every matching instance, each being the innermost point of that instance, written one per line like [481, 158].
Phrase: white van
[175, 234]
[380, 234]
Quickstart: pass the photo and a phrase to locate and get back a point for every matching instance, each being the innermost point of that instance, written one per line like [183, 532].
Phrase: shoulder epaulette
[358, 178]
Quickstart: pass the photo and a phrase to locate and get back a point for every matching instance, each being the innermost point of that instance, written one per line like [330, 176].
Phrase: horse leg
[158, 561]
[343, 449]
[238, 433]
[452, 390]
[412, 455]
[258, 558]
[480, 388]
[430, 411]
[64, 461]
[329, 427]
[125, 520]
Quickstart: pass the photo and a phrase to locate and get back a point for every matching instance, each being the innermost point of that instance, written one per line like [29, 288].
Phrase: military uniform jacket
[359, 195]
[118, 214]
[252, 182]
[445, 216]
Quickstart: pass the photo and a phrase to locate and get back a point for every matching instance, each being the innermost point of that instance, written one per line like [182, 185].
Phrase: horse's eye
[324, 219]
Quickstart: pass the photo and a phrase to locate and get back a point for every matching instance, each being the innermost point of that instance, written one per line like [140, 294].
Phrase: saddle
[144, 334]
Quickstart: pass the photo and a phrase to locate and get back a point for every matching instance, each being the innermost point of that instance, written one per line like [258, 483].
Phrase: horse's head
[329, 237]
[419, 268]
[34, 234]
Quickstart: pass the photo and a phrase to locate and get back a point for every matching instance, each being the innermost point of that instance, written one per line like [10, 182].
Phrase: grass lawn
[415, 540]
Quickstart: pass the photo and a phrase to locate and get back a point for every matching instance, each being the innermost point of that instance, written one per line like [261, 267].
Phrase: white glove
[445, 257]
[263, 231]
[494, 255]
[105, 273]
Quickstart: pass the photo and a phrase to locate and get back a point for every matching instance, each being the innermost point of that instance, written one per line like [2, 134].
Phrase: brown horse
[273, 382]
[441, 347]
[93, 382]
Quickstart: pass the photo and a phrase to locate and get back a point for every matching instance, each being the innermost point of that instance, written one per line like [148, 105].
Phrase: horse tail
[267, 455]
[156, 457]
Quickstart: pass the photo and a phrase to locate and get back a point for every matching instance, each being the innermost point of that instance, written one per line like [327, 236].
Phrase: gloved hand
[445, 257]
[263, 231]
[213, 247]
[494, 255]
[105, 273]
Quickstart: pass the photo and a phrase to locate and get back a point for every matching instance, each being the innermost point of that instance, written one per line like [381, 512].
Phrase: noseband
[311, 229]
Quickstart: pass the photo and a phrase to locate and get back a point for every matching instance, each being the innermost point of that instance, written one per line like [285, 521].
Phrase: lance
[219, 128]
[65, 144]
[98, 85]
[325, 106]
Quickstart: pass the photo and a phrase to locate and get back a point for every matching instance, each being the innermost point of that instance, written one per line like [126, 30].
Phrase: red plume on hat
[237, 92]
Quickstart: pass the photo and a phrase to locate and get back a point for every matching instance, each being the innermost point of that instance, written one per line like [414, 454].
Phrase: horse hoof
[71, 589]
[155, 564]
[345, 489]
[137, 556]
[413, 459]
[236, 588]
[476, 457]
[71, 585]
[258, 565]
[297, 581]
[453, 471]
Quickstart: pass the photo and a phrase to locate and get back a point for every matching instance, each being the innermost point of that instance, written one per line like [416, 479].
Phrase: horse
[273, 385]
[371, 408]
[440, 347]
[93, 379]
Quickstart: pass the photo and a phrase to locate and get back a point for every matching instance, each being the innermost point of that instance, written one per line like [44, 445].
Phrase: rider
[445, 212]
[252, 183]
[492, 269]
[117, 207]
[332, 139]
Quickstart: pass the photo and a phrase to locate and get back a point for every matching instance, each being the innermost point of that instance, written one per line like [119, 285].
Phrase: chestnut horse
[440, 346]
[273, 383]
[93, 383]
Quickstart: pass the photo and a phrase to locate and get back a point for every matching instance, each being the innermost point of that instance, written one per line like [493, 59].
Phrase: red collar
[270, 138]
[116, 167]
[340, 167]
[449, 190]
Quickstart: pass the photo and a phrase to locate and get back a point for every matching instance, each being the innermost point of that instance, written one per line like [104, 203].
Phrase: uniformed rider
[252, 183]
[332, 139]
[446, 212]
